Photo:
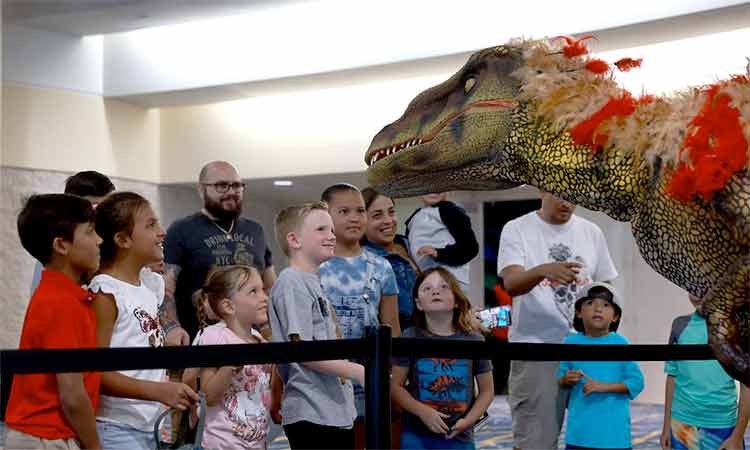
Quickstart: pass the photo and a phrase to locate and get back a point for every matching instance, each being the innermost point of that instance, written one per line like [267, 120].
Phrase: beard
[223, 216]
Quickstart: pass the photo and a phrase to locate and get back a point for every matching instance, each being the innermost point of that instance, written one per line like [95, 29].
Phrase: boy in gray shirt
[317, 406]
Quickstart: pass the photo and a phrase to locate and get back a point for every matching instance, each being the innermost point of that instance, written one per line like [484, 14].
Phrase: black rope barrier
[547, 352]
[375, 349]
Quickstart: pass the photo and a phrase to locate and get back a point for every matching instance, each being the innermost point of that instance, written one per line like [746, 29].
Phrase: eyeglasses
[223, 187]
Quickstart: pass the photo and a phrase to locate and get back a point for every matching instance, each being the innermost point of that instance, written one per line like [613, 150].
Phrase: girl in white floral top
[238, 397]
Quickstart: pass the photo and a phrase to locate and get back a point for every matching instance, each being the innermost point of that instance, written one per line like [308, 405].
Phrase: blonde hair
[221, 282]
[290, 220]
[462, 312]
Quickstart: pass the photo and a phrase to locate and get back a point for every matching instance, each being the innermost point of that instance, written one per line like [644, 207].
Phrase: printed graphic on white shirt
[565, 293]
[150, 325]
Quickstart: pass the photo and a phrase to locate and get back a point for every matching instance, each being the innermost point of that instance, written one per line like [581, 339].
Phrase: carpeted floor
[646, 423]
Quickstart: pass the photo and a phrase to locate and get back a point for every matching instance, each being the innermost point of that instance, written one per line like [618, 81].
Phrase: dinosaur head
[447, 138]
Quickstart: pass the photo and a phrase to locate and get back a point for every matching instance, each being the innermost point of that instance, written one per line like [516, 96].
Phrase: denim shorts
[689, 437]
[117, 436]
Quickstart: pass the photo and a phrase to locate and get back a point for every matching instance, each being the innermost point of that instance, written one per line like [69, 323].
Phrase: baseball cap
[604, 291]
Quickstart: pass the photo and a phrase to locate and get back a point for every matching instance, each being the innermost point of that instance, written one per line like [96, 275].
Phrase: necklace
[227, 233]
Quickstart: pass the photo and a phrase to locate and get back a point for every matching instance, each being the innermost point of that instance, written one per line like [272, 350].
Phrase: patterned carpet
[646, 423]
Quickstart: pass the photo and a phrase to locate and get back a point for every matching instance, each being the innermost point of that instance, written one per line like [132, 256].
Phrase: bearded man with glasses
[215, 236]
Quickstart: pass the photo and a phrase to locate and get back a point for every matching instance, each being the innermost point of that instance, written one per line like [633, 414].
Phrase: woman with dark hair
[382, 239]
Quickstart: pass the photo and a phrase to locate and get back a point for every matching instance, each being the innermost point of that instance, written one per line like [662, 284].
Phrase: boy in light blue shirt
[601, 391]
[700, 406]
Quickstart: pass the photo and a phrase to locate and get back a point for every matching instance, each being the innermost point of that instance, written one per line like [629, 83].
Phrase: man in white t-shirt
[544, 258]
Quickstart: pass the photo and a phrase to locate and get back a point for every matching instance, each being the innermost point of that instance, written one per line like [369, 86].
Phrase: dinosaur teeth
[388, 151]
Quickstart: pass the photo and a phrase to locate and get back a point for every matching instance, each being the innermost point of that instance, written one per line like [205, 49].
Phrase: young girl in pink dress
[237, 397]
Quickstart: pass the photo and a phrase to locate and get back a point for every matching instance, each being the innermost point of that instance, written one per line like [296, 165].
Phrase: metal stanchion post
[378, 389]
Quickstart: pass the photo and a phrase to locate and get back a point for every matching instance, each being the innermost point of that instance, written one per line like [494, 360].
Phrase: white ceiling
[86, 17]
[151, 75]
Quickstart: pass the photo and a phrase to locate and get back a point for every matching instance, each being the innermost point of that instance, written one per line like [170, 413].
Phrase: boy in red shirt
[50, 410]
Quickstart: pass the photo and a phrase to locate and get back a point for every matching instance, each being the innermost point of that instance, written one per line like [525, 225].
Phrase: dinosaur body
[542, 113]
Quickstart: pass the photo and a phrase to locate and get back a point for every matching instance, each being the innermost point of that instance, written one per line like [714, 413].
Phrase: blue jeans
[116, 436]
[414, 440]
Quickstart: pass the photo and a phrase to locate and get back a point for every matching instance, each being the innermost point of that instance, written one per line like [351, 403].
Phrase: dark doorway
[496, 215]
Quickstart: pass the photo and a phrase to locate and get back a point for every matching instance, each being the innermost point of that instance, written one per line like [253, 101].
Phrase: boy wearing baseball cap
[599, 405]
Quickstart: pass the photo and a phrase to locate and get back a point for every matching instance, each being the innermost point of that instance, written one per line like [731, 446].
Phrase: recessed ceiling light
[282, 183]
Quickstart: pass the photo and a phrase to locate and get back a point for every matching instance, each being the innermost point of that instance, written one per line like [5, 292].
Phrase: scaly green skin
[478, 135]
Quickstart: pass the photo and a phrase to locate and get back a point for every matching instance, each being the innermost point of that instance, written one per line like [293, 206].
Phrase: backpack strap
[678, 326]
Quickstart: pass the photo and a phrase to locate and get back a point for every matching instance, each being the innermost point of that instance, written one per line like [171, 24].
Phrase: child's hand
[732, 443]
[433, 420]
[476, 322]
[177, 395]
[460, 425]
[592, 386]
[177, 337]
[427, 250]
[572, 377]
[359, 374]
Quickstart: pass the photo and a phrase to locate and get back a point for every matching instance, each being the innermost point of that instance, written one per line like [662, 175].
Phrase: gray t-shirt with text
[299, 306]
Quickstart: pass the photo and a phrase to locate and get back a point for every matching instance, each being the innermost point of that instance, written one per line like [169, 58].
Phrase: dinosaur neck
[610, 181]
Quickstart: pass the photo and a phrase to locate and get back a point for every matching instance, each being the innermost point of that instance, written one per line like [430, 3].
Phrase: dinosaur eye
[470, 82]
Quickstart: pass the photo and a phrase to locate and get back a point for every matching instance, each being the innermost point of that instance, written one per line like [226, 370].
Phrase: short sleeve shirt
[240, 419]
[354, 286]
[704, 395]
[59, 315]
[137, 325]
[446, 385]
[196, 244]
[601, 420]
[299, 307]
[545, 314]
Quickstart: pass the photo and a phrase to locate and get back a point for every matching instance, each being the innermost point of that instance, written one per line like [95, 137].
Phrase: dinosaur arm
[459, 226]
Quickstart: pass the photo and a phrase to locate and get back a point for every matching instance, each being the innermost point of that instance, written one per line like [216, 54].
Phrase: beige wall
[305, 132]
[67, 131]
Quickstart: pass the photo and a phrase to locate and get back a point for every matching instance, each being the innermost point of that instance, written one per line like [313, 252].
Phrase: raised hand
[562, 272]
[592, 386]
[572, 377]
[427, 250]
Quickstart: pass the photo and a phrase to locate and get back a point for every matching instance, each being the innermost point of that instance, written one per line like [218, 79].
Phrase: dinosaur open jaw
[376, 155]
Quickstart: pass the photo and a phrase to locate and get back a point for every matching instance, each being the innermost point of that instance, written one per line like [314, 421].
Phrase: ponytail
[200, 307]
[221, 282]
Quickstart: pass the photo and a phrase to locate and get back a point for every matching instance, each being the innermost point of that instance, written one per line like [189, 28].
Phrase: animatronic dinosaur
[545, 114]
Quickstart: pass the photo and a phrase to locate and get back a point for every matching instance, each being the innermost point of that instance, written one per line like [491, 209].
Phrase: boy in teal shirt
[599, 405]
[700, 407]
